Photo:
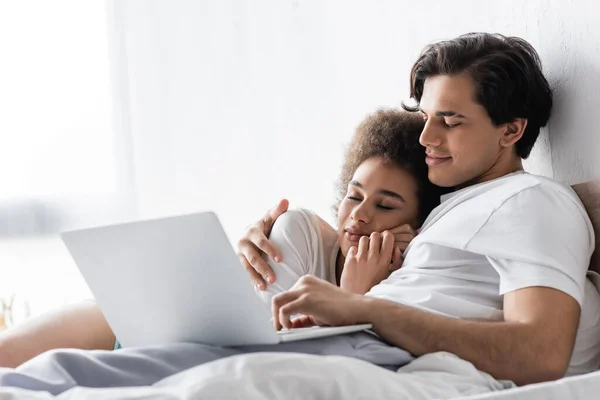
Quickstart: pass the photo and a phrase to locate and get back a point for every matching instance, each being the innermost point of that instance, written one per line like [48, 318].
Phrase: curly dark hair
[393, 135]
[507, 74]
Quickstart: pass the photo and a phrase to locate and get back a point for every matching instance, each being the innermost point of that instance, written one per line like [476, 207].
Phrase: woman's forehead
[377, 172]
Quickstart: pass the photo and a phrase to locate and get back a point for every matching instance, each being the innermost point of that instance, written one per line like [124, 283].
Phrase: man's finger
[279, 301]
[267, 247]
[258, 263]
[286, 311]
[279, 209]
[272, 215]
[255, 277]
[303, 321]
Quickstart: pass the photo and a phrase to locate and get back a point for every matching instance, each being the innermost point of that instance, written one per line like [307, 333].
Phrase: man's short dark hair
[507, 74]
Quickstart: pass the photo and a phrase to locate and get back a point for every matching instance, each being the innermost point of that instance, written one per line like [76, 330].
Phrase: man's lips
[436, 160]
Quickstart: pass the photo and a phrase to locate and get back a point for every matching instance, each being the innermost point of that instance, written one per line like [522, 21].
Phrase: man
[497, 274]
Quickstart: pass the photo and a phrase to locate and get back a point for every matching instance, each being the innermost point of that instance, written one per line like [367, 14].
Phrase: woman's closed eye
[380, 206]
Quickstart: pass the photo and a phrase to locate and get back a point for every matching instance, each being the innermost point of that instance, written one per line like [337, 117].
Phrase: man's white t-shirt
[496, 237]
[482, 242]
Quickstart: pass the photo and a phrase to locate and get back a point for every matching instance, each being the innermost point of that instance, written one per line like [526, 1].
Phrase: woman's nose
[361, 213]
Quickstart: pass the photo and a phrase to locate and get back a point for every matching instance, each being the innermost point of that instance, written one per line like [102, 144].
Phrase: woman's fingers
[396, 259]
[363, 247]
[406, 228]
[387, 247]
[374, 245]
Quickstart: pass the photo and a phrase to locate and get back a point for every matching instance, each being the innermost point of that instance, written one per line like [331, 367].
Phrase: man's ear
[513, 132]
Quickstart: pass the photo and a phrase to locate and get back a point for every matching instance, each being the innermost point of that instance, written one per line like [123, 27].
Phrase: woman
[383, 196]
[384, 187]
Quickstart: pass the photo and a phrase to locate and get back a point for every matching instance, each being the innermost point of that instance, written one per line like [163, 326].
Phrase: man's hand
[255, 243]
[370, 262]
[322, 302]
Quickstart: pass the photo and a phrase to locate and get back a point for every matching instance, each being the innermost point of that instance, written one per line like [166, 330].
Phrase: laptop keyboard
[296, 330]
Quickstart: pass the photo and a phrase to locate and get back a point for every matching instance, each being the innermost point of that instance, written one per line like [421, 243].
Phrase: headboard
[589, 193]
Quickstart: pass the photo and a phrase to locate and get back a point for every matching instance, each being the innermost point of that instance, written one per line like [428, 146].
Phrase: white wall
[235, 104]
[569, 37]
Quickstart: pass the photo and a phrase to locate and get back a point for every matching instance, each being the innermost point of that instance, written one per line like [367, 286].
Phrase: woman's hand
[371, 262]
[403, 235]
[255, 243]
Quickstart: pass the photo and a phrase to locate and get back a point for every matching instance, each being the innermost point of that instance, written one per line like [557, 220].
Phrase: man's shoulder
[542, 184]
[539, 195]
[517, 203]
[538, 209]
[523, 190]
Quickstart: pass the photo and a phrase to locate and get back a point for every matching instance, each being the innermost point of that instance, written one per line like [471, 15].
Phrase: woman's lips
[352, 237]
[436, 160]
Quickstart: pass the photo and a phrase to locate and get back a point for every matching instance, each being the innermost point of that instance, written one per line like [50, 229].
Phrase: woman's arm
[296, 235]
[80, 326]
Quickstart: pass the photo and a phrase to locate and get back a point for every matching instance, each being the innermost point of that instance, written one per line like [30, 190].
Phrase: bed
[297, 376]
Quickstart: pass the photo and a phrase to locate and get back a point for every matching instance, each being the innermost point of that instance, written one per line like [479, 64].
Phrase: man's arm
[255, 243]
[533, 344]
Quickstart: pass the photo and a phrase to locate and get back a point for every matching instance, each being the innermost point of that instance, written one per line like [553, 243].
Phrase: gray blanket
[59, 370]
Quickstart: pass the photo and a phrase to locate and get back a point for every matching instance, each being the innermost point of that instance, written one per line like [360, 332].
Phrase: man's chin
[442, 179]
[447, 179]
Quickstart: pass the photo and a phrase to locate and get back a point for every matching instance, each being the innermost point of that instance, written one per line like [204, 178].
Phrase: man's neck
[498, 170]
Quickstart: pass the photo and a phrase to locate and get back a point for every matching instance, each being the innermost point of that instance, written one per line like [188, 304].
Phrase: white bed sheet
[297, 376]
[582, 387]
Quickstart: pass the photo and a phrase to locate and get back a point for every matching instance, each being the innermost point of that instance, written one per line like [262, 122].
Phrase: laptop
[177, 279]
